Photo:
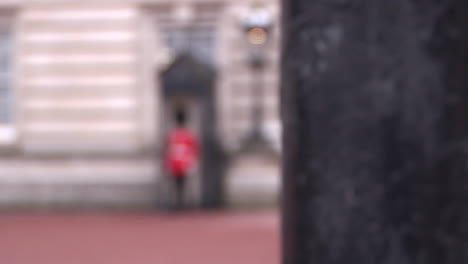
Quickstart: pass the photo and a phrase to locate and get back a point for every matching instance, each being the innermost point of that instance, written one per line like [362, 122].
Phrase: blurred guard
[182, 155]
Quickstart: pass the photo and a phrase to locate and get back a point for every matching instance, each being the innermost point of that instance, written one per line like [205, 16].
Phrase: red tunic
[182, 152]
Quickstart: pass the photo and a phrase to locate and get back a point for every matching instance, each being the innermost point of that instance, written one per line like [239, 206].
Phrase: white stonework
[88, 109]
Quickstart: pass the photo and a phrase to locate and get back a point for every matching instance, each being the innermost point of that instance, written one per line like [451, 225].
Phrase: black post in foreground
[375, 113]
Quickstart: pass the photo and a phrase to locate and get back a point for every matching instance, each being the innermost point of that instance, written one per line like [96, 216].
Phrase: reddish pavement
[118, 238]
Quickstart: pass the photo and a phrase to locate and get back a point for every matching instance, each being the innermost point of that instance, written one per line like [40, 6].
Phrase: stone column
[374, 106]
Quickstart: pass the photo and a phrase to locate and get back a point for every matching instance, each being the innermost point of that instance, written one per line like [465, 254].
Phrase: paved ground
[141, 238]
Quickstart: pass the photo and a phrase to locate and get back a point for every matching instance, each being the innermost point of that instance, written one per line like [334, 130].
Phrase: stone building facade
[81, 108]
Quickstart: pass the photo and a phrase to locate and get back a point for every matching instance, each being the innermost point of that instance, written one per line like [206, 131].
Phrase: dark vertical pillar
[375, 114]
[213, 163]
[257, 104]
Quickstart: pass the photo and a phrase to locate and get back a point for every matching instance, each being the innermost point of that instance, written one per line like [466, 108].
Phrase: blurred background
[88, 91]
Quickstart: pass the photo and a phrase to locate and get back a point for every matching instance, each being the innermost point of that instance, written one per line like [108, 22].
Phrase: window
[6, 89]
[7, 130]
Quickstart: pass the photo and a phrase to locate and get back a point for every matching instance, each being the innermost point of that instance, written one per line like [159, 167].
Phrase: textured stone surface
[374, 110]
